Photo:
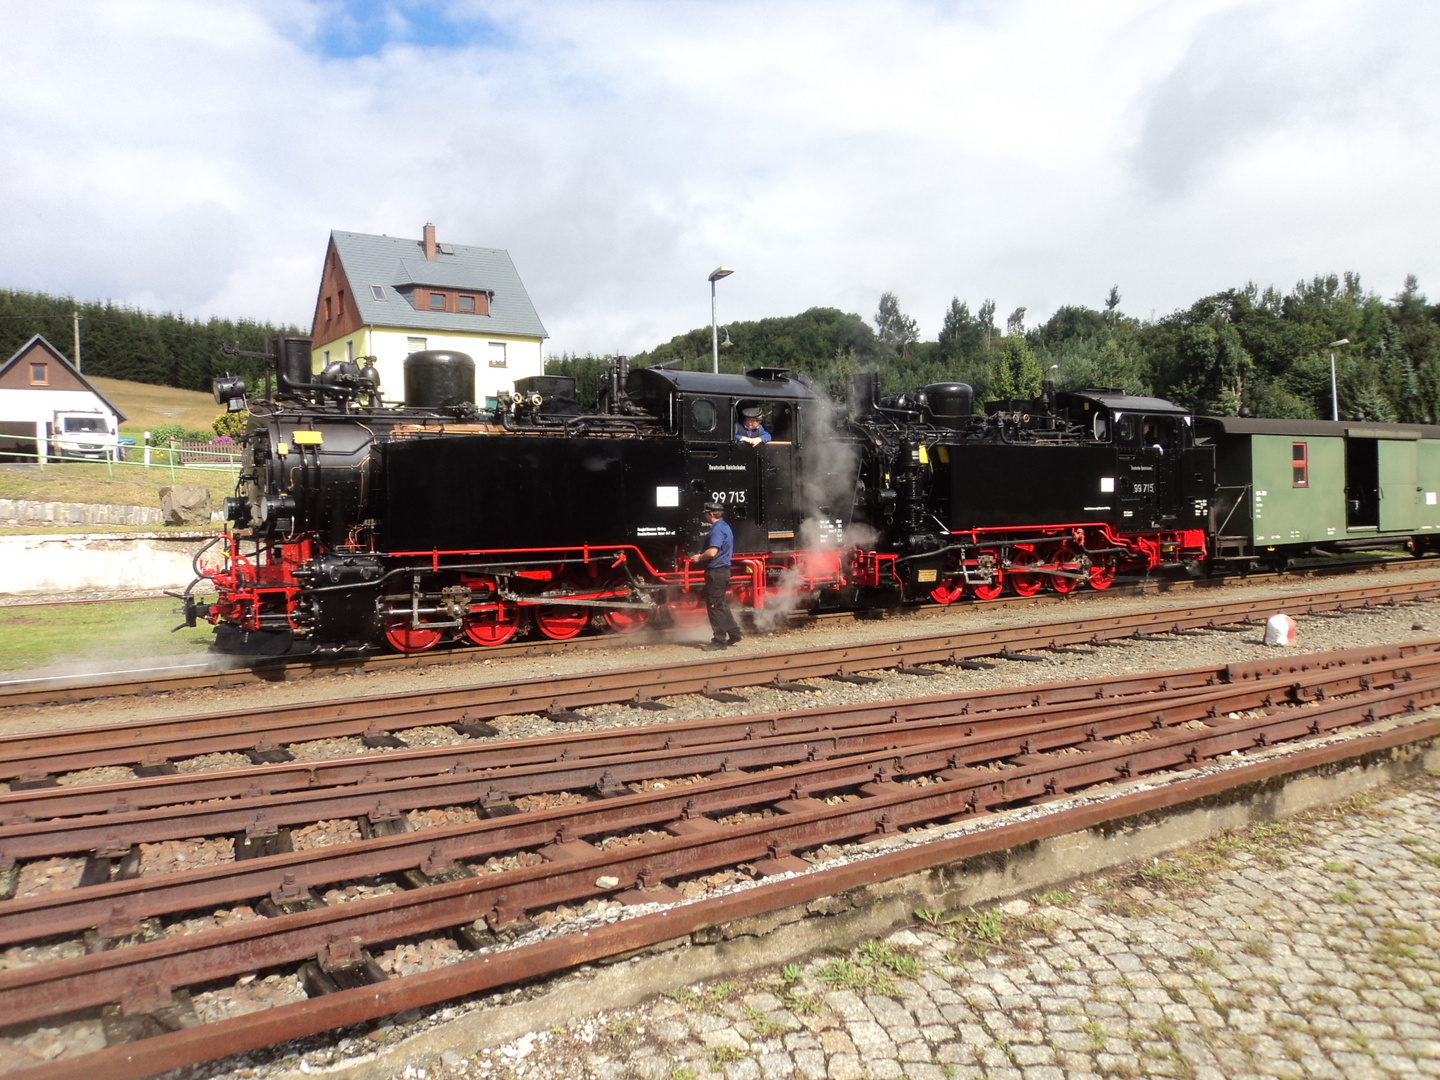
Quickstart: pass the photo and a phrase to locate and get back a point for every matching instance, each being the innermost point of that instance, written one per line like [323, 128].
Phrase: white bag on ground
[1280, 630]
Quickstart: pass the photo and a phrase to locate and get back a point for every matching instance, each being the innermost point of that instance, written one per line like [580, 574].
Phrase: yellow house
[387, 297]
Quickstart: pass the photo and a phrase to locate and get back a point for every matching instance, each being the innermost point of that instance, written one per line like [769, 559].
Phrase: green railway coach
[1285, 487]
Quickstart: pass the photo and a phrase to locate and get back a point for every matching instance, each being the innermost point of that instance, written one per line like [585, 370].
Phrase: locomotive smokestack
[430, 241]
[864, 392]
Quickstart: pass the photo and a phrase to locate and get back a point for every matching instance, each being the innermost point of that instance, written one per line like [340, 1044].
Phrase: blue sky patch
[365, 27]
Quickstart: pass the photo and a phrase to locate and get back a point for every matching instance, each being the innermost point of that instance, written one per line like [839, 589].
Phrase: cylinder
[292, 364]
[439, 379]
[946, 404]
[864, 392]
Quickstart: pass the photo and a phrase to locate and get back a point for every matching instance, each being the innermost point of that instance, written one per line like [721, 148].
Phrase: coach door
[1397, 485]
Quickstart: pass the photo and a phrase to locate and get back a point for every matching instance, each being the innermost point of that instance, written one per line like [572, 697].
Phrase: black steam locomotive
[358, 523]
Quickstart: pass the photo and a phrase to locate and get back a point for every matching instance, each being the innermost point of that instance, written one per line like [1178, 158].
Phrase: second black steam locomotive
[358, 523]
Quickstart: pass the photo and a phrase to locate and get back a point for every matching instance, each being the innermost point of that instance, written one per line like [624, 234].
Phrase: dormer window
[467, 303]
[437, 301]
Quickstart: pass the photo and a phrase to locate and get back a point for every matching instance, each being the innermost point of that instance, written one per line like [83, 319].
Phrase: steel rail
[113, 833]
[281, 1024]
[155, 742]
[116, 908]
[66, 985]
[47, 803]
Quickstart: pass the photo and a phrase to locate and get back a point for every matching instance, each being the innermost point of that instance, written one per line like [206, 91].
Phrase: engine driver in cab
[751, 431]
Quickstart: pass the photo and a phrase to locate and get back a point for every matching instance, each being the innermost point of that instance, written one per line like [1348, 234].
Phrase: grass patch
[1205, 956]
[979, 933]
[123, 484]
[146, 407]
[1054, 898]
[845, 974]
[725, 1055]
[763, 1026]
[707, 1000]
[1258, 946]
[80, 633]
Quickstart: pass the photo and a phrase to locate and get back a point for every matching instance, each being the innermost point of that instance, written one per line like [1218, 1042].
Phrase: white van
[84, 435]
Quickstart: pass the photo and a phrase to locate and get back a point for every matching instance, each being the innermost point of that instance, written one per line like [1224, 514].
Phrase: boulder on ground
[185, 504]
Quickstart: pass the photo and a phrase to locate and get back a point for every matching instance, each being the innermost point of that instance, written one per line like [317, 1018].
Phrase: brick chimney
[429, 241]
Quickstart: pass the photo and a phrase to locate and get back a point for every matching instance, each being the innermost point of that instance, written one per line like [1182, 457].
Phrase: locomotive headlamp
[229, 391]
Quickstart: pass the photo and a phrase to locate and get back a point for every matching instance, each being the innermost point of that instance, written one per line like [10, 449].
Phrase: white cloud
[194, 156]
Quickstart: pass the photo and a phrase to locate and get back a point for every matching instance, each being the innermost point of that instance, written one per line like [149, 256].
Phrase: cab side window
[703, 420]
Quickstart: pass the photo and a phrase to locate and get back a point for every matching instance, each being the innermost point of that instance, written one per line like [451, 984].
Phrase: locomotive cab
[766, 488]
[1162, 479]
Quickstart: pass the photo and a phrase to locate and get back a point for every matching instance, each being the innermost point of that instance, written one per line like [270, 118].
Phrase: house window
[467, 303]
[378, 292]
[328, 313]
[39, 374]
[497, 354]
[350, 349]
[340, 303]
[327, 357]
[414, 345]
[1300, 463]
[437, 301]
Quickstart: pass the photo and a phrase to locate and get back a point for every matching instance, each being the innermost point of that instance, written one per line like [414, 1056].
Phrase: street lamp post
[716, 275]
[1334, 389]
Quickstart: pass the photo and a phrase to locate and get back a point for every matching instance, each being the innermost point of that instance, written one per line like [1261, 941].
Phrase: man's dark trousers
[722, 622]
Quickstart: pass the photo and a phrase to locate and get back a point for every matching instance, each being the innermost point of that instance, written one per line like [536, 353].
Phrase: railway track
[207, 673]
[154, 746]
[788, 801]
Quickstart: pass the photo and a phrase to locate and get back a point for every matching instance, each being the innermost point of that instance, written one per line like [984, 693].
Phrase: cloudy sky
[193, 156]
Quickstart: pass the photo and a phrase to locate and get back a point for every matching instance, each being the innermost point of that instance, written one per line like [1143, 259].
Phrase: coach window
[1127, 428]
[1300, 463]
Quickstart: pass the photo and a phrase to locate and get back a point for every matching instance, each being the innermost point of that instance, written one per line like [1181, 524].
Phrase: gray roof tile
[394, 262]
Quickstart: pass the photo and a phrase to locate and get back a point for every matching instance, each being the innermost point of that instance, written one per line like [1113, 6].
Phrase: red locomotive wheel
[493, 626]
[1024, 583]
[561, 622]
[1102, 572]
[627, 620]
[1065, 556]
[687, 610]
[411, 639]
[996, 585]
[947, 593]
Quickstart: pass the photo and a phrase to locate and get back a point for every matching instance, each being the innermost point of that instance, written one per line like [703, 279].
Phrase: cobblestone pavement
[1307, 949]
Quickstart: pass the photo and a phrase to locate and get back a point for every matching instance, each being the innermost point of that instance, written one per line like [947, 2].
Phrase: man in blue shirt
[719, 547]
[750, 429]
